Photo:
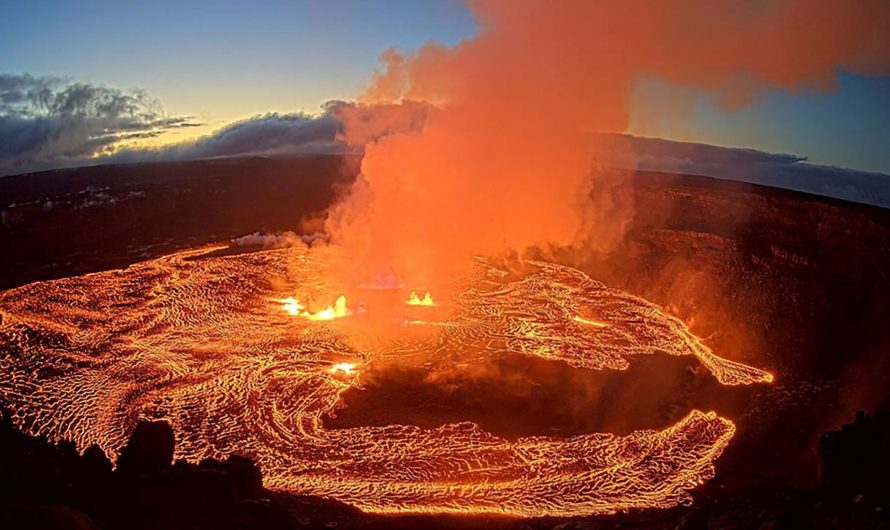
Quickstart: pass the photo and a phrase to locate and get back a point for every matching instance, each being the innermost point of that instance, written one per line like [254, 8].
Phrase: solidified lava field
[200, 338]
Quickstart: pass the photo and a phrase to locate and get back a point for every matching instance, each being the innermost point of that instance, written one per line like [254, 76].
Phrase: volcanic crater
[537, 398]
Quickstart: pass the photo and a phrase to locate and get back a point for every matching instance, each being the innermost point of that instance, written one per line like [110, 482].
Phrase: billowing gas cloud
[505, 160]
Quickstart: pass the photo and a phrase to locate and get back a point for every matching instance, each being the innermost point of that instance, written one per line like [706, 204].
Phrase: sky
[846, 126]
[221, 61]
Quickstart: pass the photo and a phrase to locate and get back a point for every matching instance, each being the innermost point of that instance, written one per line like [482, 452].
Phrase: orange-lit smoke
[504, 159]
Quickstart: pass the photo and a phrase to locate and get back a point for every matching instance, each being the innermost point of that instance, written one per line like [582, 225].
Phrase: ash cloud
[48, 122]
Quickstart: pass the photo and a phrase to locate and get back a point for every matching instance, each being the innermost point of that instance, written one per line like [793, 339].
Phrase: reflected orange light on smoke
[486, 147]
[427, 299]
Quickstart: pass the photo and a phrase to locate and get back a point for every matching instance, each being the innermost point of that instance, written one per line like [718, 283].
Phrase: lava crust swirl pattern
[194, 338]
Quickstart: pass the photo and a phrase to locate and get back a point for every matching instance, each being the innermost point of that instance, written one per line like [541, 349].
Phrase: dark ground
[72, 221]
[793, 283]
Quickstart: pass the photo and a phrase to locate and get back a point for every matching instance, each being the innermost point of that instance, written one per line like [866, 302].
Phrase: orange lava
[292, 306]
[589, 322]
[343, 368]
[193, 340]
[427, 299]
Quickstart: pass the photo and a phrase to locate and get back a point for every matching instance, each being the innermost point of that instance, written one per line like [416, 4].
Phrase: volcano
[702, 353]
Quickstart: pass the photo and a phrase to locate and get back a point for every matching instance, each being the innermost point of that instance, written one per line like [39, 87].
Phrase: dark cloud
[16, 91]
[296, 133]
[778, 170]
[48, 122]
[268, 134]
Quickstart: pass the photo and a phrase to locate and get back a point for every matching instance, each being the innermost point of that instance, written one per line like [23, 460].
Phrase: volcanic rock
[149, 450]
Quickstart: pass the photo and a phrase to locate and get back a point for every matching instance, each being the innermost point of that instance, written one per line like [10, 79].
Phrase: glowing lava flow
[192, 339]
[292, 306]
[589, 322]
[343, 368]
[427, 299]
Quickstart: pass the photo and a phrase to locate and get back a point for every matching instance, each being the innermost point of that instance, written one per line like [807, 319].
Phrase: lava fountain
[427, 299]
[192, 338]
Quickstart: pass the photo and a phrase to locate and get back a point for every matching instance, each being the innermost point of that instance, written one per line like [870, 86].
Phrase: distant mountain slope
[302, 136]
[784, 171]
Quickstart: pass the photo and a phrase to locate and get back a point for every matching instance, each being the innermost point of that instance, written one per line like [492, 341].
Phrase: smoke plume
[505, 161]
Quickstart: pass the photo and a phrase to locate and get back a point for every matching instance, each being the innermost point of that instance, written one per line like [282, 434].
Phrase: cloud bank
[293, 134]
[48, 122]
[268, 134]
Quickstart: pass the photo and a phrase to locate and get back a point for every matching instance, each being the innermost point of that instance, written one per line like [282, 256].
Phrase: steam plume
[506, 158]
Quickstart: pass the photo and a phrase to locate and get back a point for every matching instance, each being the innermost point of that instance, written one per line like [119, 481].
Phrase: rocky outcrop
[44, 485]
[149, 450]
[855, 460]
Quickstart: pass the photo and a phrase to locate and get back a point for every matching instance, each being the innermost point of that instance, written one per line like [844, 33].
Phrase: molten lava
[338, 310]
[427, 299]
[190, 338]
[292, 306]
[588, 322]
[343, 368]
